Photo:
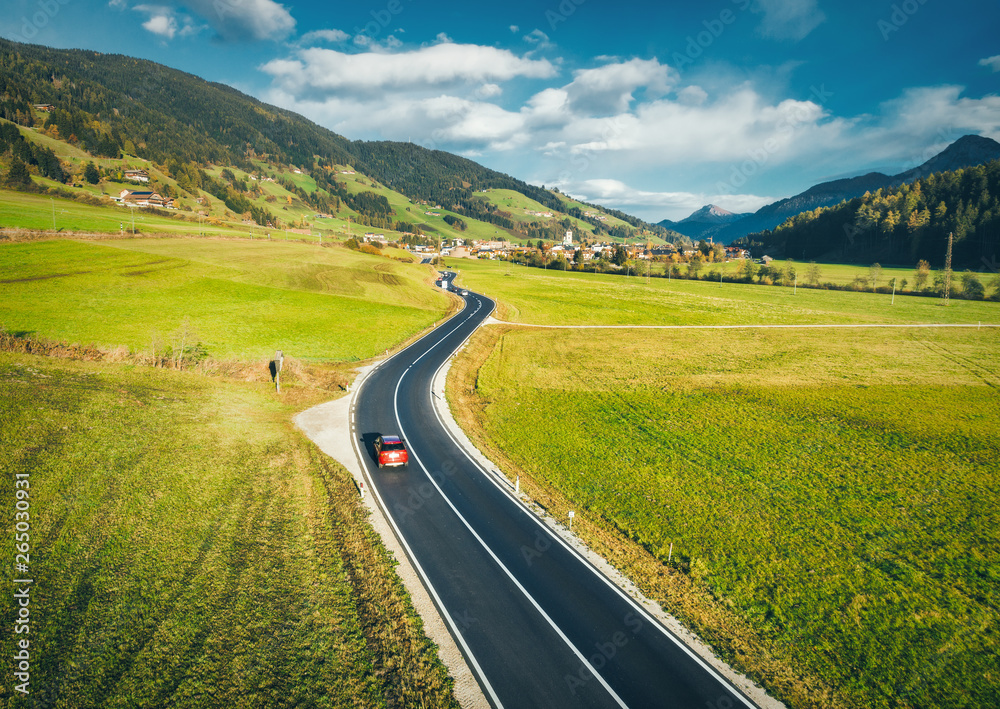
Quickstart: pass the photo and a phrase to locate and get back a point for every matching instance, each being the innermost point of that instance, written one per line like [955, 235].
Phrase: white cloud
[922, 122]
[164, 22]
[692, 96]
[666, 132]
[332, 36]
[536, 36]
[788, 19]
[609, 89]
[992, 62]
[488, 91]
[238, 20]
[324, 70]
[515, 29]
[443, 38]
[161, 21]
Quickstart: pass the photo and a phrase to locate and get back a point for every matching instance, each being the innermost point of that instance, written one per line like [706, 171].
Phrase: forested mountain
[111, 104]
[903, 224]
[966, 151]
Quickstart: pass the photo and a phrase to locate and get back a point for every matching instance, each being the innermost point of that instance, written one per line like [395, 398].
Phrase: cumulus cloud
[332, 36]
[536, 36]
[164, 22]
[788, 19]
[318, 70]
[923, 121]
[161, 20]
[609, 89]
[240, 20]
[488, 91]
[992, 62]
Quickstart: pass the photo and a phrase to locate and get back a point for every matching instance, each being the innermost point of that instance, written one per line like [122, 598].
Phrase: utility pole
[947, 270]
[53, 214]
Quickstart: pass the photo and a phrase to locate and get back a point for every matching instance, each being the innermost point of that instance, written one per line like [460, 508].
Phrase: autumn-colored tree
[923, 273]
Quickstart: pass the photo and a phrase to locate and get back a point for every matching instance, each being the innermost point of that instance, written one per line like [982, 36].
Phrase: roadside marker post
[572, 514]
[279, 358]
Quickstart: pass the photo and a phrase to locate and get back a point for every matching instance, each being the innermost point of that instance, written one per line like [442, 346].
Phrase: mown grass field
[190, 549]
[241, 299]
[552, 297]
[831, 496]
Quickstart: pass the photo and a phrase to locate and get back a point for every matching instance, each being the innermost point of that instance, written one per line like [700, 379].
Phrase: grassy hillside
[821, 505]
[21, 210]
[241, 300]
[190, 549]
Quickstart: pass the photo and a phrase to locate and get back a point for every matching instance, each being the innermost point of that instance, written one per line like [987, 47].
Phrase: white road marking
[504, 568]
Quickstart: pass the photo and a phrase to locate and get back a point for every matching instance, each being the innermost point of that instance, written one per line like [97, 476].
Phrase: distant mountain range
[724, 227]
[707, 221]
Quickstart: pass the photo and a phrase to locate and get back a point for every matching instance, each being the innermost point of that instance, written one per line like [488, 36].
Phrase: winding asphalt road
[538, 625]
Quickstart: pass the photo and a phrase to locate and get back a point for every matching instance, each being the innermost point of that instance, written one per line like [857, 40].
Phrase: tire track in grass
[973, 368]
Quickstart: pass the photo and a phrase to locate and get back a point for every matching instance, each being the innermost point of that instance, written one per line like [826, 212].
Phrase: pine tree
[91, 174]
[18, 175]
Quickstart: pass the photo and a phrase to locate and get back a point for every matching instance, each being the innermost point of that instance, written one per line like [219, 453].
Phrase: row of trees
[616, 261]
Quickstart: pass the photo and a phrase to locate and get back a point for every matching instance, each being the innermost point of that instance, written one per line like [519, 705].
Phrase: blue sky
[653, 108]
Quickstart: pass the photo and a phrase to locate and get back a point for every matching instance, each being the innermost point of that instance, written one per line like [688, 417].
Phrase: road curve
[538, 625]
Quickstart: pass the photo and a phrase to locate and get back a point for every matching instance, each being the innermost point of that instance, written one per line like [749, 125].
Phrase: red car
[390, 450]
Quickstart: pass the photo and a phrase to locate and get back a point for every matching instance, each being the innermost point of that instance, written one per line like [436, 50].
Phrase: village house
[144, 199]
[137, 175]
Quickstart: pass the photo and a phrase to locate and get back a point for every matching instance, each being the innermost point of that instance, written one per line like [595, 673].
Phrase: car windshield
[388, 446]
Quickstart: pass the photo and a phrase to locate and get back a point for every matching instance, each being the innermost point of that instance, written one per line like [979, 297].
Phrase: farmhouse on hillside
[144, 199]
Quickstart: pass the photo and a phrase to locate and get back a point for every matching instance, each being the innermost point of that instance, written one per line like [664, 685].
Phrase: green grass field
[243, 299]
[188, 548]
[552, 297]
[22, 210]
[836, 492]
